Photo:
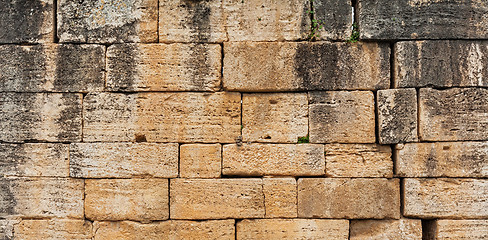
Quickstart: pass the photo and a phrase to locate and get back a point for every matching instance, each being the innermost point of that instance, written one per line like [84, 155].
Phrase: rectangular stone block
[342, 117]
[41, 197]
[423, 19]
[295, 66]
[457, 114]
[442, 159]
[274, 117]
[123, 160]
[280, 197]
[460, 229]
[53, 117]
[166, 230]
[456, 63]
[355, 198]
[334, 19]
[185, 117]
[54, 229]
[397, 115]
[52, 68]
[405, 229]
[164, 67]
[27, 21]
[34, 159]
[126, 199]
[445, 198]
[101, 21]
[216, 198]
[273, 159]
[200, 160]
[292, 229]
[358, 160]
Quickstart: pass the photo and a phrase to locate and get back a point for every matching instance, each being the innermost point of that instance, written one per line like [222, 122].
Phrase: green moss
[303, 139]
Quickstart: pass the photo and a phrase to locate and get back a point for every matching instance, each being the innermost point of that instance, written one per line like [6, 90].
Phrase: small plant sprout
[355, 34]
[304, 139]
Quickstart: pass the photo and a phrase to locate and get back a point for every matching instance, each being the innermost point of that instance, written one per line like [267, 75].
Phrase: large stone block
[280, 197]
[460, 229]
[295, 66]
[200, 160]
[54, 229]
[405, 229]
[273, 159]
[164, 67]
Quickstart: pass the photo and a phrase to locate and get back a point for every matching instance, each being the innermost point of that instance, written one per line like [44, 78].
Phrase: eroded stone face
[200, 160]
[461, 229]
[406, 229]
[54, 229]
[280, 197]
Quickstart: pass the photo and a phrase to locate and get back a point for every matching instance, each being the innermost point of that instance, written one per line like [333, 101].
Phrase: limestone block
[126, 199]
[53, 229]
[7, 229]
[404, 229]
[335, 17]
[280, 197]
[273, 159]
[200, 160]
[460, 229]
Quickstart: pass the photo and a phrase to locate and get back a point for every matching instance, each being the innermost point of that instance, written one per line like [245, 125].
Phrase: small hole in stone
[273, 101]
[446, 148]
[267, 137]
[141, 138]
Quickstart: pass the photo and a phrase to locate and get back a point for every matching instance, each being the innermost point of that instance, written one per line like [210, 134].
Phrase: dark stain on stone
[199, 20]
[18, 116]
[431, 163]
[315, 66]
[7, 197]
[75, 168]
[122, 65]
[69, 120]
[199, 66]
[11, 156]
[21, 21]
[398, 128]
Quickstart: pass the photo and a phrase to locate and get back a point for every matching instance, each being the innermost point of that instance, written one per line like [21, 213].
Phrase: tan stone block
[280, 197]
[355, 198]
[162, 117]
[443, 197]
[164, 67]
[274, 117]
[216, 198]
[405, 229]
[292, 229]
[53, 229]
[343, 117]
[460, 229]
[200, 160]
[126, 199]
[358, 160]
[273, 159]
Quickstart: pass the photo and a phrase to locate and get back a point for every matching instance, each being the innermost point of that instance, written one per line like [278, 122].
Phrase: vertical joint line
[312, 17]
[55, 21]
[222, 66]
[419, 137]
[376, 115]
[392, 65]
[157, 29]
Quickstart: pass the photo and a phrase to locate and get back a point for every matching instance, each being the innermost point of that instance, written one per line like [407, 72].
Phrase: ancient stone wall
[244, 119]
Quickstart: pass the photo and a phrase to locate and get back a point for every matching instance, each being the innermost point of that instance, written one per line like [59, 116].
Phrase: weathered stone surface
[41, 197]
[348, 198]
[442, 159]
[274, 117]
[460, 229]
[162, 117]
[53, 229]
[167, 230]
[273, 159]
[343, 117]
[397, 115]
[293, 66]
[292, 229]
[424, 19]
[40, 116]
[280, 197]
[164, 67]
[358, 160]
[102, 21]
[52, 67]
[7, 229]
[126, 199]
[442, 197]
[216, 198]
[335, 17]
[27, 21]
[453, 114]
[200, 160]
[34, 159]
[405, 229]
[456, 63]
[123, 160]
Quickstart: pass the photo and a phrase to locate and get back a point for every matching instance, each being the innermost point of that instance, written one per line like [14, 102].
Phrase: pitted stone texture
[358, 160]
[280, 197]
[293, 66]
[27, 21]
[397, 115]
[292, 229]
[424, 19]
[200, 160]
[50, 117]
[335, 17]
[273, 159]
[166, 230]
[342, 117]
[445, 198]
[164, 67]
[457, 114]
[101, 21]
[162, 117]
[41, 197]
[52, 68]
[7, 229]
[34, 159]
[442, 159]
[355, 198]
[456, 64]
[274, 117]
[123, 160]
[216, 198]
[126, 199]
[460, 229]
[53, 229]
[404, 229]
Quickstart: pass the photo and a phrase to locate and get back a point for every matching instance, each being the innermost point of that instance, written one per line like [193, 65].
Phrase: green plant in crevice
[355, 34]
[316, 24]
[304, 139]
